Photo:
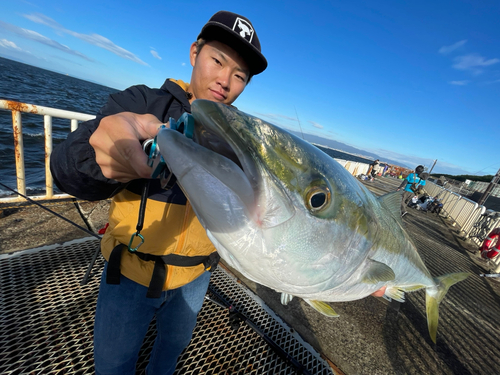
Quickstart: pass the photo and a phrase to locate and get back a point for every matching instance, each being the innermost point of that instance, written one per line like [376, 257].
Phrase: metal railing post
[47, 124]
[74, 124]
[17, 127]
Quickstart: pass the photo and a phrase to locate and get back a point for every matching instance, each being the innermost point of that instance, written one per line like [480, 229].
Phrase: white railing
[48, 113]
[355, 168]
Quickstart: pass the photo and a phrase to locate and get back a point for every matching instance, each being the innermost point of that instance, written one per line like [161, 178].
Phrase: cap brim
[255, 60]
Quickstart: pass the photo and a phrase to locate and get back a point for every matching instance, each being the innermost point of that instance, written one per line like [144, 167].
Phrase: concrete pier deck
[371, 336]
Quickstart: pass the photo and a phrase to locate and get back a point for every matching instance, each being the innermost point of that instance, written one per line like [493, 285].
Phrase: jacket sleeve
[72, 162]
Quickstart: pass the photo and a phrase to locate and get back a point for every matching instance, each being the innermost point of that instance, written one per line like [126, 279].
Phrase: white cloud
[94, 39]
[316, 125]
[473, 63]
[8, 44]
[459, 83]
[33, 35]
[447, 49]
[44, 20]
[155, 54]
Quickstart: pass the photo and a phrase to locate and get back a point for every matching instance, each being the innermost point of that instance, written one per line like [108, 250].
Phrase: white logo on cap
[244, 28]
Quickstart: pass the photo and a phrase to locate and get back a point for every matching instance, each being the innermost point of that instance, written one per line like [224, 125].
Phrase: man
[411, 184]
[104, 158]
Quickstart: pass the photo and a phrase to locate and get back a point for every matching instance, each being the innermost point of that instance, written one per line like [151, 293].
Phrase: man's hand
[117, 145]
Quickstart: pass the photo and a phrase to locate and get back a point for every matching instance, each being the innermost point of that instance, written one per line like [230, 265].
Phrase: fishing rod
[52, 212]
[235, 319]
[96, 253]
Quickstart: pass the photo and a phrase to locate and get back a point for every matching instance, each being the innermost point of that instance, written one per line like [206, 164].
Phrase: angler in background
[168, 276]
[410, 185]
[435, 206]
[374, 169]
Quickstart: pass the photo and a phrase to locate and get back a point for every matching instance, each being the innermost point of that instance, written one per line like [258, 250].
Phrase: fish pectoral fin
[398, 292]
[286, 298]
[322, 307]
[395, 293]
[378, 272]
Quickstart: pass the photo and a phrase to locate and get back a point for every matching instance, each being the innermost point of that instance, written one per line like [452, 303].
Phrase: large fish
[289, 217]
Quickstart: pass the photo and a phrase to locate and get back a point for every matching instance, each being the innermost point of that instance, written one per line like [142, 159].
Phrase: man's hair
[199, 45]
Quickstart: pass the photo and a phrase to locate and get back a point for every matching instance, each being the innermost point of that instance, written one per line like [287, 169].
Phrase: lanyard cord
[185, 125]
[140, 219]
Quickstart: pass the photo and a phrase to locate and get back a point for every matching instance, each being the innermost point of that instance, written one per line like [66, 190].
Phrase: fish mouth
[225, 171]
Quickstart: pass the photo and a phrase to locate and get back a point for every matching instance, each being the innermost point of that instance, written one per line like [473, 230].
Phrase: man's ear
[193, 53]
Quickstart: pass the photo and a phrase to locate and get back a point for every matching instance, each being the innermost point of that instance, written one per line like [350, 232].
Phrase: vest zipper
[180, 243]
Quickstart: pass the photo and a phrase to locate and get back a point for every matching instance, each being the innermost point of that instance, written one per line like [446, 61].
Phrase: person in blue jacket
[413, 180]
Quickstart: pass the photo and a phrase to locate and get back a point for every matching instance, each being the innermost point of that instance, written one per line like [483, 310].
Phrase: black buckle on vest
[212, 261]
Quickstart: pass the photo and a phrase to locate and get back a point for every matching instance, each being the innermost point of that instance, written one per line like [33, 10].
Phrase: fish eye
[317, 198]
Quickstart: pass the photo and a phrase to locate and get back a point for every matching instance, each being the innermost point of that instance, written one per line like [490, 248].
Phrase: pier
[46, 316]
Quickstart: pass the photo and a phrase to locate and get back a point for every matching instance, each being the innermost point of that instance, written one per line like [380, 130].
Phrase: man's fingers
[135, 156]
[145, 125]
[117, 145]
[115, 170]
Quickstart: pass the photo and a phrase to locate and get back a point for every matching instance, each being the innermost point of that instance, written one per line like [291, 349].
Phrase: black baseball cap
[238, 33]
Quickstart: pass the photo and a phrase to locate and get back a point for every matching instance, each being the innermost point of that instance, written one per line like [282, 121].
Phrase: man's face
[219, 73]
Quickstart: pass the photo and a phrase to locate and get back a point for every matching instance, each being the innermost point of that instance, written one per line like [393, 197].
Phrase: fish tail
[434, 295]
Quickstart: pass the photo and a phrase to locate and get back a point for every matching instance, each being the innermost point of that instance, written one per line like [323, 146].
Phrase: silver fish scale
[46, 322]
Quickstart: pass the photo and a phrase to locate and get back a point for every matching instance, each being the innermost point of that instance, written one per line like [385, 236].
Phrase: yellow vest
[168, 229]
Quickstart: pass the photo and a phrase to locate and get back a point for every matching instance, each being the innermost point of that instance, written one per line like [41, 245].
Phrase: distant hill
[346, 148]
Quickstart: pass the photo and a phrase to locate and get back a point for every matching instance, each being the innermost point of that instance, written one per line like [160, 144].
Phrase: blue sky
[411, 81]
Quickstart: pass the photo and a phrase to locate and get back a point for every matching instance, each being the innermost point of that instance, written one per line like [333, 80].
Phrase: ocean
[28, 84]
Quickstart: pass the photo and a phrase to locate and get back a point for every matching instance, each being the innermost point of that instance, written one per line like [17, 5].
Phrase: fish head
[278, 209]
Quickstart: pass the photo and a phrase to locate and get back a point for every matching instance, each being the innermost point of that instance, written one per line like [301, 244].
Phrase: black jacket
[73, 164]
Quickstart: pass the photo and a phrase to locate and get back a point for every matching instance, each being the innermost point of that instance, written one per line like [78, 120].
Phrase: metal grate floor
[46, 322]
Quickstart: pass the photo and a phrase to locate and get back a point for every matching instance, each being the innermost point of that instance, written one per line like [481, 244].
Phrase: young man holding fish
[104, 158]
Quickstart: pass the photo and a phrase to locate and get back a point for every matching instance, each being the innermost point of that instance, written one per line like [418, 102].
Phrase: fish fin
[433, 297]
[395, 293]
[322, 307]
[286, 298]
[392, 202]
[378, 272]
[398, 292]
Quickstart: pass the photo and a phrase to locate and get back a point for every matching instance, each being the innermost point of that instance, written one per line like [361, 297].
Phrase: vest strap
[160, 271]
[113, 275]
